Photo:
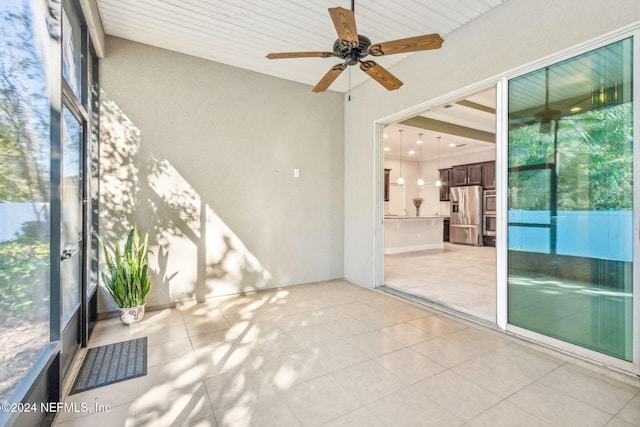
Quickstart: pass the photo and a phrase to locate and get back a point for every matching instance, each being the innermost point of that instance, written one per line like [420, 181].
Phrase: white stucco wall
[516, 33]
[202, 155]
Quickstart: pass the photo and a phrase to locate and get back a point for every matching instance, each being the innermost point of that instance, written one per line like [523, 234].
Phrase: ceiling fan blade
[412, 44]
[285, 55]
[381, 75]
[328, 78]
[345, 23]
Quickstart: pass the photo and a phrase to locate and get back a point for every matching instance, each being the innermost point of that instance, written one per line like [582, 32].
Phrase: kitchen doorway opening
[440, 205]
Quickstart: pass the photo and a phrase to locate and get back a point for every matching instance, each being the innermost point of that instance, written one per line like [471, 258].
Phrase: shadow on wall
[195, 255]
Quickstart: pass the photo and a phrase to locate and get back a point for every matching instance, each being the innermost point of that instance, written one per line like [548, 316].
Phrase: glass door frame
[502, 223]
[500, 82]
[72, 338]
[71, 332]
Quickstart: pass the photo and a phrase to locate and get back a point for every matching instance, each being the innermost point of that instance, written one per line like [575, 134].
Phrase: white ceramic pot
[131, 315]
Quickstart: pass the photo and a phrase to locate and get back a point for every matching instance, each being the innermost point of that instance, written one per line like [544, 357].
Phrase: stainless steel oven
[489, 225]
[489, 205]
[489, 213]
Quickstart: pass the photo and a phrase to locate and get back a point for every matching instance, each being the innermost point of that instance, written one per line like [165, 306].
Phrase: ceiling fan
[353, 47]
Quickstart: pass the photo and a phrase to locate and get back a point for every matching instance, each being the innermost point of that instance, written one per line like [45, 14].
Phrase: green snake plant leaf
[127, 277]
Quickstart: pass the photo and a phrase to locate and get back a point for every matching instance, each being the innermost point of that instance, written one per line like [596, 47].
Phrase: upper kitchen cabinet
[445, 180]
[459, 176]
[489, 175]
[474, 174]
[467, 175]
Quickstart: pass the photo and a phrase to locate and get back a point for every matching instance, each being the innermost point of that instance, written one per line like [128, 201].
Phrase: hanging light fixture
[420, 180]
[438, 182]
[400, 179]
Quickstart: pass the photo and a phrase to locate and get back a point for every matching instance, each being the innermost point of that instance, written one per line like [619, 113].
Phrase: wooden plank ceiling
[241, 33]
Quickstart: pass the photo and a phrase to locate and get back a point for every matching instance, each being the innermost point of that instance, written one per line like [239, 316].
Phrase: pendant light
[438, 182]
[547, 115]
[420, 180]
[400, 179]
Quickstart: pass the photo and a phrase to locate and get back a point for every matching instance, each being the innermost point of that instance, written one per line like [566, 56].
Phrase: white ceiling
[456, 113]
[241, 33]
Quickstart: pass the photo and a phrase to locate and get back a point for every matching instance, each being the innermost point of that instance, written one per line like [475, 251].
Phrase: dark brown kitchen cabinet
[386, 184]
[474, 174]
[489, 175]
[445, 180]
[459, 176]
[467, 175]
[445, 229]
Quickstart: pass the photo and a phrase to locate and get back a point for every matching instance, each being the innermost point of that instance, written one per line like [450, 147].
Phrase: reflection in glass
[72, 52]
[24, 188]
[571, 200]
[93, 168]
[71, 268]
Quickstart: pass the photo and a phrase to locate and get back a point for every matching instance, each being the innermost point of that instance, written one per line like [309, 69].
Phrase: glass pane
[24, 189]
[93, 175]
[571, 200]
[72, 52]
[71, 268]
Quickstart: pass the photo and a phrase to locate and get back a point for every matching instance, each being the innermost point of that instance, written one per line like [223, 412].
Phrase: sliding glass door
[570, 200]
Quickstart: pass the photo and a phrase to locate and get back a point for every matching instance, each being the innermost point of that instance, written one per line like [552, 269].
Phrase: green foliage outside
[594, 162]
[13, 185]
[24, 275]
[24, 171]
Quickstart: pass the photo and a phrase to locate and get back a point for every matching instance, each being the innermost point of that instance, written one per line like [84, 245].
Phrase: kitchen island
[413, 233]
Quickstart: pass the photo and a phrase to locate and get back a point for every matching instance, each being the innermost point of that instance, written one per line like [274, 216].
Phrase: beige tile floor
[460, 277]
[336, 354]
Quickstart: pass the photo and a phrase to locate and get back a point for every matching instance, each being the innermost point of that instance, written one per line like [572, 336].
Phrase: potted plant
[127, 278]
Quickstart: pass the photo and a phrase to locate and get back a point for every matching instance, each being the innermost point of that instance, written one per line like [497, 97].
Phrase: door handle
[69, 251]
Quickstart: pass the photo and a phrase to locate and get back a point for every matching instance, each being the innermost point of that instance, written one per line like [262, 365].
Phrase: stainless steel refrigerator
[466, 215]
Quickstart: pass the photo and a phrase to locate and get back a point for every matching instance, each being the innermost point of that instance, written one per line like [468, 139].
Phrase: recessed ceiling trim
[476, 106]
[449, 128]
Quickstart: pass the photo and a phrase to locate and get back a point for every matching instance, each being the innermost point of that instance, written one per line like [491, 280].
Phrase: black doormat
[111, 363]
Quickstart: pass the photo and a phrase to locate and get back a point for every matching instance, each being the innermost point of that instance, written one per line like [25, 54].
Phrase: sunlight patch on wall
[119, 184]
[224, 264]
[195, 255]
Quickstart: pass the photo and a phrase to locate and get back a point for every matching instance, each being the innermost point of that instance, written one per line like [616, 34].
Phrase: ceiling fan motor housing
[352, 55]
[352, 48]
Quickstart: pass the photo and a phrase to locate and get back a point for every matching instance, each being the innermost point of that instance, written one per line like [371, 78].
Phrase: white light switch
[296, 173]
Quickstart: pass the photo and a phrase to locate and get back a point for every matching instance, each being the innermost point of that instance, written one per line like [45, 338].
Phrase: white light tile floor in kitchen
[337, 354]
[460, 277]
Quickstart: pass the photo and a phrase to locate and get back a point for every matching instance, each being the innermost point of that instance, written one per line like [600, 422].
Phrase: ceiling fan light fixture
[352, 48]
[547, 115]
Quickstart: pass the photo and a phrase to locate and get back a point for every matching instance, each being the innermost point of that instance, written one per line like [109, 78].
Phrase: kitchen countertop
[413, 233]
